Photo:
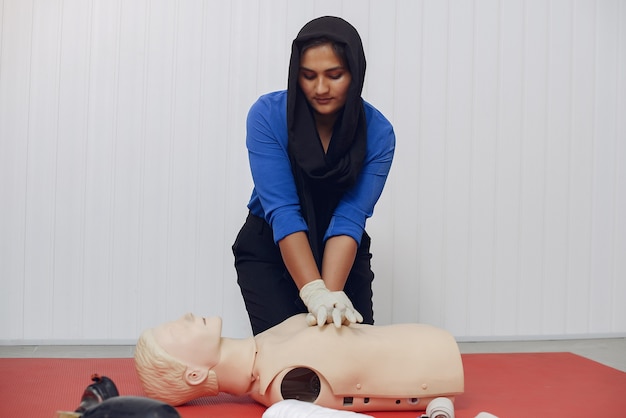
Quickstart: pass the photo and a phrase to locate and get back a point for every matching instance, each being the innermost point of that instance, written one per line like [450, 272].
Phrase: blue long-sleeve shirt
[275, 197]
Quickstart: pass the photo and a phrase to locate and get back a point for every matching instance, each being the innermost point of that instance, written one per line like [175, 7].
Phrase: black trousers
[269, 292]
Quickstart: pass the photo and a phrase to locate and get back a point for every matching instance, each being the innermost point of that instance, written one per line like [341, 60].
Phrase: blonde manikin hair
[163, 376]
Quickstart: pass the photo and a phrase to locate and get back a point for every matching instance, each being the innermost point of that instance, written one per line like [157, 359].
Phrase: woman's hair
[163, 376]
[338, 47]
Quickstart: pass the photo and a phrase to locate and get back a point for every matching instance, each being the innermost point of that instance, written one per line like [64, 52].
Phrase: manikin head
[175, 360]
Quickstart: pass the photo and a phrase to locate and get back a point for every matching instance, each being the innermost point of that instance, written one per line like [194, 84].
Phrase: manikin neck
[234, 371]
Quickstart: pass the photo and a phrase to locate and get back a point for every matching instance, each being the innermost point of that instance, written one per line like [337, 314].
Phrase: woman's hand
[325, 306]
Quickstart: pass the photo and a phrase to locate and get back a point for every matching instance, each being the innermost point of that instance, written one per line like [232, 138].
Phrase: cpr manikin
[355, 368]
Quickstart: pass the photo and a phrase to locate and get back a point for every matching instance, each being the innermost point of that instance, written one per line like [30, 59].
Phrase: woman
[319, 157]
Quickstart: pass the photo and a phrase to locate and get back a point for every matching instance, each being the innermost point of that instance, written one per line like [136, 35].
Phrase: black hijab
[322, 178]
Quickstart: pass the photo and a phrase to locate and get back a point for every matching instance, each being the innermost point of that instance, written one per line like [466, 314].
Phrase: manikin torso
[358, 368]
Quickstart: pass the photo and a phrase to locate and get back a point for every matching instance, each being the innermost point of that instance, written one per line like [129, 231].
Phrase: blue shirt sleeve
[275, 197]
[358, 203]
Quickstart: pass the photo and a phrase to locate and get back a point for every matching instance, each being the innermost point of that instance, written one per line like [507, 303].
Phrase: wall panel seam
[27, 159]
[142, 169]
[53, 251]
[83, 220]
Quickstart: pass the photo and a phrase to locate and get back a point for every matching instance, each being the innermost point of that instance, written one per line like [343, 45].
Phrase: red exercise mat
[506, 385]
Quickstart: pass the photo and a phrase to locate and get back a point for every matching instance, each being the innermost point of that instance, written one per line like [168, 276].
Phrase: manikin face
[193, 340]
[324, 79]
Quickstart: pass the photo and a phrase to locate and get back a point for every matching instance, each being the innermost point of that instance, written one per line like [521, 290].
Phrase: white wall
[124, 178]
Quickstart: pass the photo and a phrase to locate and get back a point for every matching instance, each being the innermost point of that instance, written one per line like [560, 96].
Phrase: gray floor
[609, 351]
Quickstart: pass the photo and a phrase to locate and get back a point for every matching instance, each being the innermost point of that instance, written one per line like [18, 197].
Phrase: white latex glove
[325, 306]
[291, 408]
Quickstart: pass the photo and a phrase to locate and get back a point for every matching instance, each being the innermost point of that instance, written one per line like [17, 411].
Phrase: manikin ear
[195, 375]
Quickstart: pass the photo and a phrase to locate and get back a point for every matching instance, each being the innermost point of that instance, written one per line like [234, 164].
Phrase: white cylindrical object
[292, 408]
[440, 408]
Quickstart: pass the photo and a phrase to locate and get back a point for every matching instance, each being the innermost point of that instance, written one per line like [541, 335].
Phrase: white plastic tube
[440, 408]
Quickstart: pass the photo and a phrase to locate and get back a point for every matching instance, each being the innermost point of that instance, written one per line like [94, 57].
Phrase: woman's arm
[338, 258]
[358, 202]
[339, 255]
[326, 303]
[298, 258]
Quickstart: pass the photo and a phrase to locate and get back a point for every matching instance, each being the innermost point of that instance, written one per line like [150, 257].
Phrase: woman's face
[191, 339]
[324, 79]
